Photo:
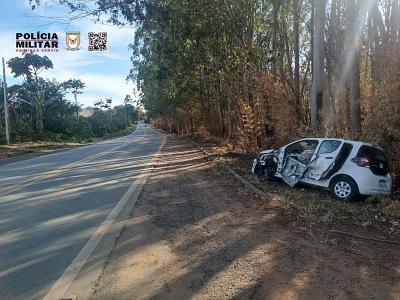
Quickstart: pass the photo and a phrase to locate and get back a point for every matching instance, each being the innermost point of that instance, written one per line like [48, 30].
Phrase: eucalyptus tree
[318, 64]
[76, 87]
[195, 61]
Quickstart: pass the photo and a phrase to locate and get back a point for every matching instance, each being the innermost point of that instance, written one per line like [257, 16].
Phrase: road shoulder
[196, 233]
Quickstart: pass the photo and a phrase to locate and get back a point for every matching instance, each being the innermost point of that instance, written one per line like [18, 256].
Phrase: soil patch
[196, 232]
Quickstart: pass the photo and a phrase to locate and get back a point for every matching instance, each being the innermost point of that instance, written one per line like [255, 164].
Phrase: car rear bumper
[375, 185]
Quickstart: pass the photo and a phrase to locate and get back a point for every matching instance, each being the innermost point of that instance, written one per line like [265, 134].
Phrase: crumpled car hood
[269, 151]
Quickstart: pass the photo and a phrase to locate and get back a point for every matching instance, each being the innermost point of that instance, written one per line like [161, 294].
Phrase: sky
[104, 73]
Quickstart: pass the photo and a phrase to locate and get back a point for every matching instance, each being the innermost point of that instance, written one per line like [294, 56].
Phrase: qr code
[97, 41]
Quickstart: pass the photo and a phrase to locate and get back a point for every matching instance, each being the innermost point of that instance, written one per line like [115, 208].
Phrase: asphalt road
[60, 214]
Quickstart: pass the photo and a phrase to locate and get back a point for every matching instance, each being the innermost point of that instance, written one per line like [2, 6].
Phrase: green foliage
[189, 56]
[195, 61]
[29, 65]
[74, 85]
[39, 109]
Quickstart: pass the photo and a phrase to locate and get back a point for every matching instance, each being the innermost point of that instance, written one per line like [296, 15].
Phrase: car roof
[359, 143]
[356, 144]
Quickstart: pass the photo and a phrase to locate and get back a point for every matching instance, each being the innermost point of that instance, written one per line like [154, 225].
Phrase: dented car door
[297, 156]
[324, 159]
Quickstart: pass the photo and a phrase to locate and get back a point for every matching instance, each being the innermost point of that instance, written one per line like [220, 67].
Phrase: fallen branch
[246, 183]
[365, 237]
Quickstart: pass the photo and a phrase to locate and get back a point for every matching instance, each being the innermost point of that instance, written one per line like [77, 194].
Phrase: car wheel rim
[342, 189]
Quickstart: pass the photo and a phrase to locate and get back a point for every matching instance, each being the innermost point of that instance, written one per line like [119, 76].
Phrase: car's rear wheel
[344, 188]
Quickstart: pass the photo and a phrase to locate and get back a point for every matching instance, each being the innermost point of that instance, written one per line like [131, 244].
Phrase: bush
[382, 113]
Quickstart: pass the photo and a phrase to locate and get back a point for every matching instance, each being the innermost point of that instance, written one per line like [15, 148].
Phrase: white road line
[62, 151]
[63, 283]
[64, 168]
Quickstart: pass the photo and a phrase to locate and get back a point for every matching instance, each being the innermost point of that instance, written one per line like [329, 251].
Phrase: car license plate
[382, 184]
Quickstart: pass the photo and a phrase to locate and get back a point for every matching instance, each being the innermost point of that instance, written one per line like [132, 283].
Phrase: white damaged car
[347, 168]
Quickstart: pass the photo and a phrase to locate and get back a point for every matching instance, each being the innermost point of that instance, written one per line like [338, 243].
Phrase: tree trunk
[218, 107]
[245, 84]
[318, 66]
[39, 123]
[378, 21]
[229, 112]
[296, 43]
[331, 58]
[288, 53]
[354, 71]
[395, 22]
[275, 30]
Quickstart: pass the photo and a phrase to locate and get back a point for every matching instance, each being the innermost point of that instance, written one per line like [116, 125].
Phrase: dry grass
[7, 151]
[315, 208]
[309, 207]
[12, 150]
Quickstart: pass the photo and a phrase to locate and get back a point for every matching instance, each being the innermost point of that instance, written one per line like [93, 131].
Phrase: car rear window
[378, 161]
[373, 153]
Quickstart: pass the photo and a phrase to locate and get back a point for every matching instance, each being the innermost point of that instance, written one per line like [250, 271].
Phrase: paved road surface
[60, 213]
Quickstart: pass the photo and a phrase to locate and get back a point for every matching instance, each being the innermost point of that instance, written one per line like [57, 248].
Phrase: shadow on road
[197, 234]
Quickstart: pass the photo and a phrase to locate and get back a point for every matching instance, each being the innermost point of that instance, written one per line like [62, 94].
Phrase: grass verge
[314, 208]
[13, 150]
[310, 208]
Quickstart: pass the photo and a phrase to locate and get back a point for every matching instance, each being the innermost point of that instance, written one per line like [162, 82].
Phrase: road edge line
[62, 169]
[60, 287]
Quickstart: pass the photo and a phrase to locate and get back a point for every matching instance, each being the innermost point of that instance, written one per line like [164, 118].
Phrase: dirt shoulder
[197, 233]
[14, 152]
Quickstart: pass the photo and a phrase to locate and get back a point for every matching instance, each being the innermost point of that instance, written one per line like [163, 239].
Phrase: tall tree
[296, 48]
[353, 38]
[29, 67]
[318, 64]
[75, 86]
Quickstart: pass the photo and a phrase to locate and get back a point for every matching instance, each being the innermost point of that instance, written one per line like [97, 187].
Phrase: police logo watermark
[36, 42]
[73, 40]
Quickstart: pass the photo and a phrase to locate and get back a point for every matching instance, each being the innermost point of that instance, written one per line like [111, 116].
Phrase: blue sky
[103, 73]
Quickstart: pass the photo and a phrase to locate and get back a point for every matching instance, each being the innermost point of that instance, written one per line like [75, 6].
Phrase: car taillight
[362, 161]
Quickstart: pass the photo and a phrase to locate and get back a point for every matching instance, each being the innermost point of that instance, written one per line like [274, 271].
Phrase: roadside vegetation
[313, 211]
[42, 114]
[261, 73]
[20, 148]
[229, 78]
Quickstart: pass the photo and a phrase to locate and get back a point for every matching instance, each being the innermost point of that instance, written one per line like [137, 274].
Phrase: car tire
[270, 169]
[258, 170]
[344, 188]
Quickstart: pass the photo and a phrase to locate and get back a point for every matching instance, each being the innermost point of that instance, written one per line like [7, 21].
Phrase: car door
[297, 156]
[324, 159]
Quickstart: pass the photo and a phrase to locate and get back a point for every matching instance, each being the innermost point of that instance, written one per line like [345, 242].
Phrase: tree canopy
[39, 108]
[237, 68]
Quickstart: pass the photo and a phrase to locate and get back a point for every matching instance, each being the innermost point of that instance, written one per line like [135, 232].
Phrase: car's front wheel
[270, 169]
[344, 188]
